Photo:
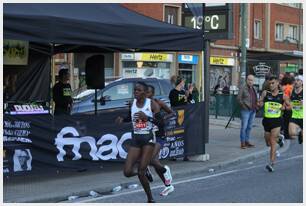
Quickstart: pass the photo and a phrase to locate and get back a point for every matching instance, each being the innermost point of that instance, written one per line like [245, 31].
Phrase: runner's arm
[164, 106]
[287, 105]
[263, 95]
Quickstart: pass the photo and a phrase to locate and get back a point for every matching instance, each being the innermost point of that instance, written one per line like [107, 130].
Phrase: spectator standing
[179, 97]
[247, 99]
[62, 94]
[195, 93]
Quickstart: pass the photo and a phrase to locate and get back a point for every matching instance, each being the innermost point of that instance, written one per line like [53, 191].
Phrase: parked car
[118, 94]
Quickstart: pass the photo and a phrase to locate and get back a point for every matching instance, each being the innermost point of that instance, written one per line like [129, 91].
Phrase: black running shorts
[271, 123]
[298, 122]
[140, 140]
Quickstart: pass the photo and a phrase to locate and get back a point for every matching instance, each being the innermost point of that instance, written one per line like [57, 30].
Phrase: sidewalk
[223, 149]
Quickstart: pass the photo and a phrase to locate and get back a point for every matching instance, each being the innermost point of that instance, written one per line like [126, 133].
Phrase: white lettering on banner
[60, 142]
[17, 139]
[122, 152]
[104, 148]
[164, 152]
[28, 108]
[115, 146]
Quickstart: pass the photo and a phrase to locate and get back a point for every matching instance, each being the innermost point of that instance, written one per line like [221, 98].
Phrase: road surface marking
[184, 181]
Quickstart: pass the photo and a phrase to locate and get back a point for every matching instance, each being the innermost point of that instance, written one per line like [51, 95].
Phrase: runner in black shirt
[62, 94]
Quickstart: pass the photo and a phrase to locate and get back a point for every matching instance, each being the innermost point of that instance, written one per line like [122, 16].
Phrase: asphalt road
[246, 182]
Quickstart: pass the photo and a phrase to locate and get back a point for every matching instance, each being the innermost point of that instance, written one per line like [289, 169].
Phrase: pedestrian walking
[162, 171]
[247, 99]
[274, 102]
[296, 120]
[144, 113]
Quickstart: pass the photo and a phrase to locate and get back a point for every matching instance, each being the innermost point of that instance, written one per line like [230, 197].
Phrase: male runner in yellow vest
[274, 102]
[296, 101]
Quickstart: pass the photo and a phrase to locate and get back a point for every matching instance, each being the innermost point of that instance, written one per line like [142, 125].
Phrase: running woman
[162, 171]
[143, 116]
[296, 120]
[274, 102]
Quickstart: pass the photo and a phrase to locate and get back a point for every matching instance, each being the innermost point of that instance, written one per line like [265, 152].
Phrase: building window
[279, 32]
[171, 15]
[292, 33]
[295, 5]
[257, 29]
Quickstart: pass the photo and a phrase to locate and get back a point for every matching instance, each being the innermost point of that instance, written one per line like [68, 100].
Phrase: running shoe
[281, 140]
[300, 137]
[149, 175]
[167, 176]
[277, 153]
[270, 168]
[167, 190]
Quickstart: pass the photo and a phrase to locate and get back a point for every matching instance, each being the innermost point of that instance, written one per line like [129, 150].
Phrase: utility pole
[244, 29]
[299, 35]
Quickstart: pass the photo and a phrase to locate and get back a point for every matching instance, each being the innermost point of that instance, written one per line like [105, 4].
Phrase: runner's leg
[273, 141]
[267, 138]
[293, 130]
[159, 168]
[146, 156]
[132, 157]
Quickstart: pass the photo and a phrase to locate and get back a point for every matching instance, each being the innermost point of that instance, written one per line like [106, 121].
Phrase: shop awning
[251, 55]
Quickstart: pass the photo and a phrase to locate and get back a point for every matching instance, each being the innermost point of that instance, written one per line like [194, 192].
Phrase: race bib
[140, 124]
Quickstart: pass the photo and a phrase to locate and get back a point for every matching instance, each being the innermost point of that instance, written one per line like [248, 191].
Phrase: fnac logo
[180, 117]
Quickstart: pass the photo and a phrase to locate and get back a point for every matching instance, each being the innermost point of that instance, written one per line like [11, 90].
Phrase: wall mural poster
[15, 52]
[220, 77]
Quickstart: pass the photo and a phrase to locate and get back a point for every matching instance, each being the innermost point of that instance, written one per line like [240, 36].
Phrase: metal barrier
[224, 105]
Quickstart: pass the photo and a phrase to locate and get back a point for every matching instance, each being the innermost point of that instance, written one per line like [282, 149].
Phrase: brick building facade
[272, 29]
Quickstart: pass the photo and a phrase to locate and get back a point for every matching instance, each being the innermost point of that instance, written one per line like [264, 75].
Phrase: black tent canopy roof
[80, 27]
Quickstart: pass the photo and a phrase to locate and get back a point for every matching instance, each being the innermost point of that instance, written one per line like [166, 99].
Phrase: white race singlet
[142, 127]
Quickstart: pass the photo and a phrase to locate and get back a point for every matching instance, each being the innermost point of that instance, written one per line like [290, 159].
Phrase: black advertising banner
[42, 143]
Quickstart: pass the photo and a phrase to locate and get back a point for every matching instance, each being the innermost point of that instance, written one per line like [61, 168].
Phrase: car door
[116, 96]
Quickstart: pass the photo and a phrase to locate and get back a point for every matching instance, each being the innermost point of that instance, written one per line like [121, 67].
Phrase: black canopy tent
[108, 26]
[68, 28]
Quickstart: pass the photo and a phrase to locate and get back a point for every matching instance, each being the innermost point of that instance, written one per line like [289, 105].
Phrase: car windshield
[83, 94]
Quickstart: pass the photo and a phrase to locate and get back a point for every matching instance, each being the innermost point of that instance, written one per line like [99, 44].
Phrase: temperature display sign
[212, 22]
[218, 20]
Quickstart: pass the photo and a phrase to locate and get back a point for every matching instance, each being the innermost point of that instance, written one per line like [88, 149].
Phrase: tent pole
[206, 80]
[52, 78]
